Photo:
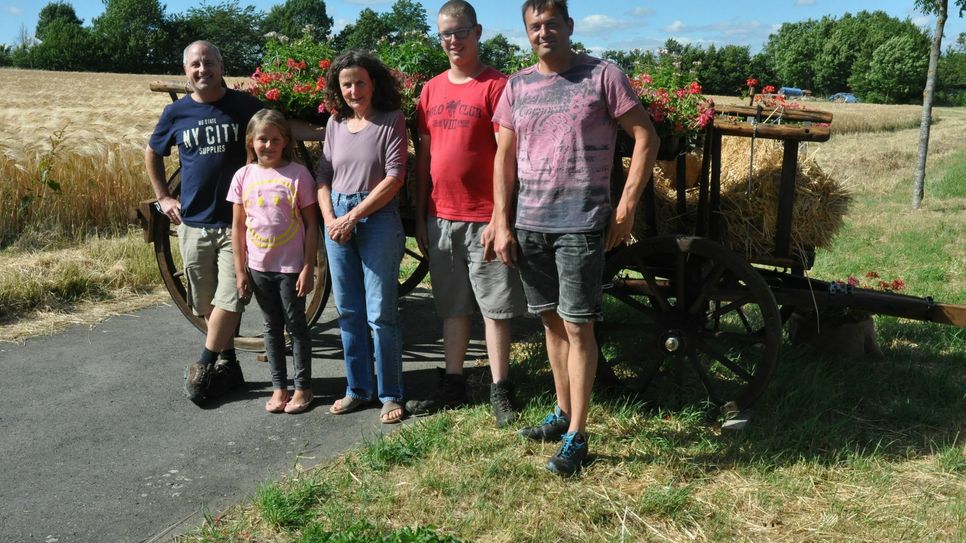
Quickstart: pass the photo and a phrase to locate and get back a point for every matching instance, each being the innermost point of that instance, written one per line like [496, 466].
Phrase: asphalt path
[98, 443]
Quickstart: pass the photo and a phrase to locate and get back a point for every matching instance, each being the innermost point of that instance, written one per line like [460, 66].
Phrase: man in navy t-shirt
[208, 126]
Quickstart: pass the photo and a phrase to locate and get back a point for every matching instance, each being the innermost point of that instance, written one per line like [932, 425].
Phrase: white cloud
[339, 24]
[675, 27]
[599, 24]
[804, 2]
[11, 10]
[640, 12]
[923, 21]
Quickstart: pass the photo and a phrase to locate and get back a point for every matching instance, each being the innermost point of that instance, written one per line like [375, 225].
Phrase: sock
[228, 354]
[208, 357]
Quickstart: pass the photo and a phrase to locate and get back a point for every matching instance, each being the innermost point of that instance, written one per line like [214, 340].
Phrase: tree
[131, 36]
[235, 30]
[896, 71]
[293, 17]
[365, 33]
[940, 8]
[407, 16]
[499, 52]
[55, 11]
[66, 46]
[371, 28]
[5, 53]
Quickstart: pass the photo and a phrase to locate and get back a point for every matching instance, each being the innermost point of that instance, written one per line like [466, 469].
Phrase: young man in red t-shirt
[453, 207]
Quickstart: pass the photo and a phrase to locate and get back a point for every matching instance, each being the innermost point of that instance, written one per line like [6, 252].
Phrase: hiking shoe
[197, 379]
[226, 375]
[571, 455]
[501, 399]
[553, 426]
[449, 393]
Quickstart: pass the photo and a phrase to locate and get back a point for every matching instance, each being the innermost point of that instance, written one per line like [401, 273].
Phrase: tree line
[878, 57]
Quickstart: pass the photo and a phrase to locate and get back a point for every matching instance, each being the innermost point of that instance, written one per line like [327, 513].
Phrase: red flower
[872, 275]
[768, 89]
[752, 82]
[320, 84]
[695, 88]
[290, 63]
[325, 63]
[898, 284]
[272, 94]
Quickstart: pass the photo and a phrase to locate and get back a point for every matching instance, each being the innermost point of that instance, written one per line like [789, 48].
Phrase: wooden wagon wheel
[172, 274]
[711, 319]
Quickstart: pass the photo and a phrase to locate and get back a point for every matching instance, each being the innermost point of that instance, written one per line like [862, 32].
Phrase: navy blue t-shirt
[211, 142]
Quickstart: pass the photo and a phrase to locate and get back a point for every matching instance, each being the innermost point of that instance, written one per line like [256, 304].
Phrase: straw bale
[750, 211]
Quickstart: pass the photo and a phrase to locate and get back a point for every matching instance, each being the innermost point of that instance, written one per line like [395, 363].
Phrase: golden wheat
[88, 131]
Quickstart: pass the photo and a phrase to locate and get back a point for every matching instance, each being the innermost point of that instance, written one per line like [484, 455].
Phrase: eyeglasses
[459, 33]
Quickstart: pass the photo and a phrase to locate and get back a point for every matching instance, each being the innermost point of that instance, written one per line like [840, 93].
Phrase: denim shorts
[563, 272]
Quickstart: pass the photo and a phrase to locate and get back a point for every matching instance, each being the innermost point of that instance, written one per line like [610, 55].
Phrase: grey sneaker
[450, 393]
[225, 377]
[501, 399]
[197, 379]
[571, 455]
[553, 426]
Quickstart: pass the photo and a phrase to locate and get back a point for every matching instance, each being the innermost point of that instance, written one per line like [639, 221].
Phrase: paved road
[97, 442]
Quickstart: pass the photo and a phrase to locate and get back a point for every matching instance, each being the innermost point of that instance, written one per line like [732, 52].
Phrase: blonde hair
[271, 117]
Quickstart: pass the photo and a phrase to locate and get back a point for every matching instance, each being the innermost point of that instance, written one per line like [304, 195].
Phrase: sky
[599, 24]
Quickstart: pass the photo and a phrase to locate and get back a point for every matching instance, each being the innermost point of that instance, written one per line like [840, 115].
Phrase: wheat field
[88, 132]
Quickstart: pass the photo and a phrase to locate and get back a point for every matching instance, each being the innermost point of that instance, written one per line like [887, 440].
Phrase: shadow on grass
[814, 409]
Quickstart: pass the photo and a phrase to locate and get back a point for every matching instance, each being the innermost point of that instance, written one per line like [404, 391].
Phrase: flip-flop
[389, 407]
[347, 405]
[297, 407]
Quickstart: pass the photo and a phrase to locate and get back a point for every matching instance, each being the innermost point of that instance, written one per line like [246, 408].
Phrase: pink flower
[853, 282]
[322, 109]
[272, 94]
[647, 79]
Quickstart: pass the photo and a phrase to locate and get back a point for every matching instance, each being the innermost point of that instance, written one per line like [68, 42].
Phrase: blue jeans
[365, 282]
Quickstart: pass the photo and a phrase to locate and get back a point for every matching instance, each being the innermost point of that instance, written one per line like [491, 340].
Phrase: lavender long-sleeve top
[357, 162]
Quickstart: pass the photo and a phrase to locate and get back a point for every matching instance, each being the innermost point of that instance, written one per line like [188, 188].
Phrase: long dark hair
[386, 95]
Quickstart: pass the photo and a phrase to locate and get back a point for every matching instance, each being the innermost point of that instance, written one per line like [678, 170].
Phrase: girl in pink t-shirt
[274, 236]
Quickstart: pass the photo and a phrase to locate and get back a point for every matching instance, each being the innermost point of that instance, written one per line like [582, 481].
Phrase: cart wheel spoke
[659, 297]
[723, 359]
[708, 284]
[706, 380]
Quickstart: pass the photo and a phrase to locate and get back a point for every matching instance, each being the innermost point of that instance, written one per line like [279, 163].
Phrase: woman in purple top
[361, 170]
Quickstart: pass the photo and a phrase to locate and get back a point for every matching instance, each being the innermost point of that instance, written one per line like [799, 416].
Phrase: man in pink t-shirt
[453, 206]
[558, 128]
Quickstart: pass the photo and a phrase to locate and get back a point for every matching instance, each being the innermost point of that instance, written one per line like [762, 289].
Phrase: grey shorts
[563, 272]
[462, 280]
[209, 266]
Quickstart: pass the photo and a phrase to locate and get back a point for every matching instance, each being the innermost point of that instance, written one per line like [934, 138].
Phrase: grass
[836, 450]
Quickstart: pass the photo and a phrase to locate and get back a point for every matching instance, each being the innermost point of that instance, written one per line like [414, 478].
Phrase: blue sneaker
[553, 426]
[570, 457]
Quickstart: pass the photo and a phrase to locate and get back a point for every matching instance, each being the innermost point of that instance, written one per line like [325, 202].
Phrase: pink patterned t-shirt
[566, 130]
[273, 199]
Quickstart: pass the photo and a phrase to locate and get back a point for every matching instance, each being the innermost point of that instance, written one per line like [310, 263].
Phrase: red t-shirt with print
[457, 118]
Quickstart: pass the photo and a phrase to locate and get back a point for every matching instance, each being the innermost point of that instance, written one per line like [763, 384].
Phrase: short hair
[459, 8]
[558, 6]
[386, 95]
[274, 118]
[208, 44]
